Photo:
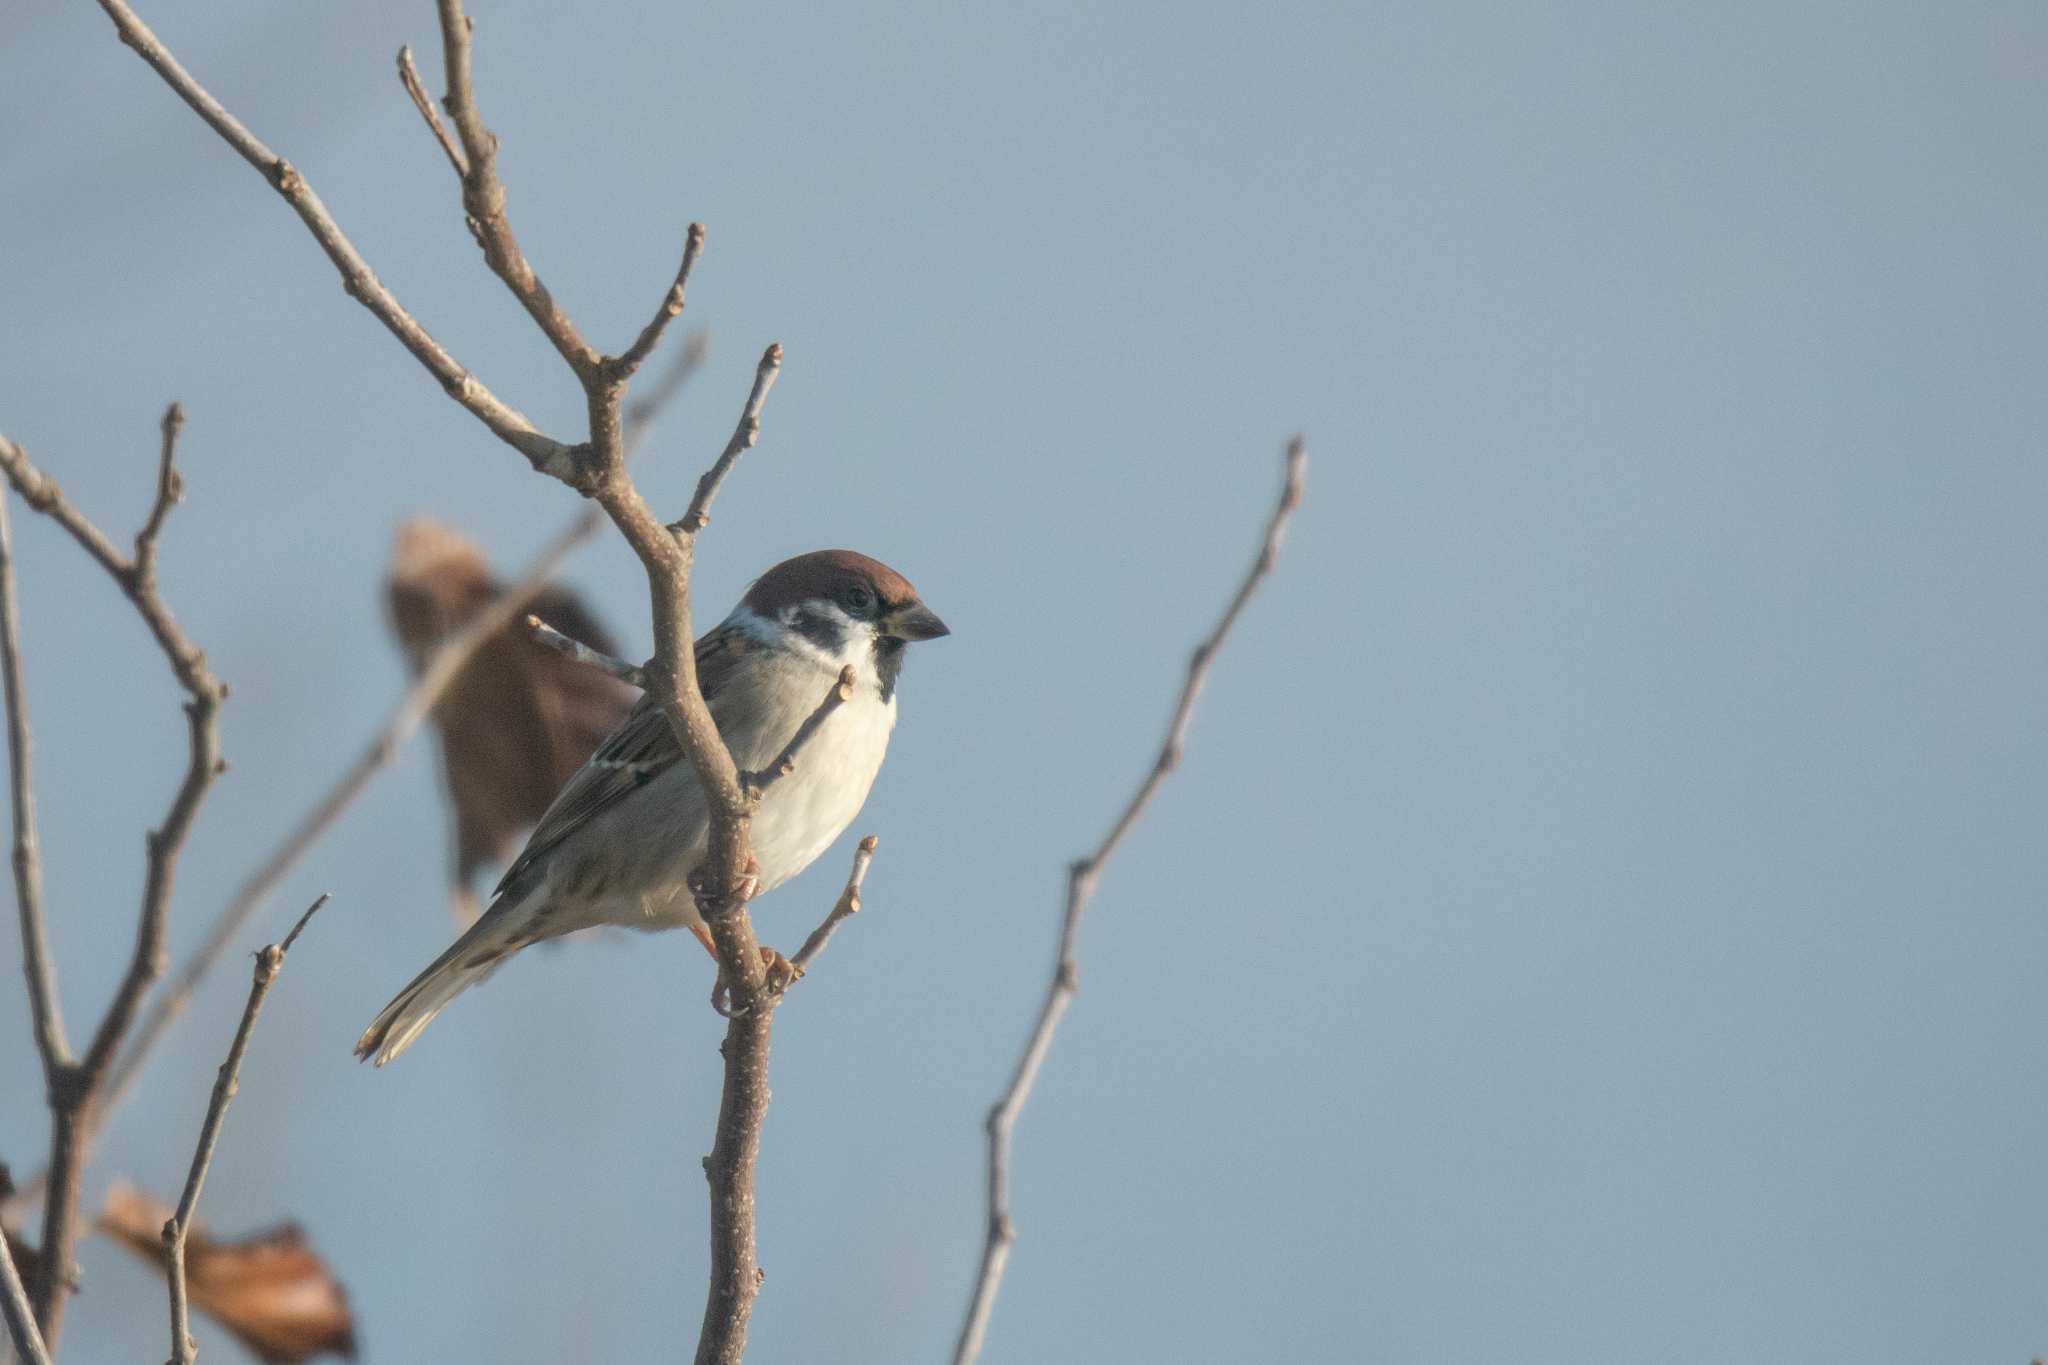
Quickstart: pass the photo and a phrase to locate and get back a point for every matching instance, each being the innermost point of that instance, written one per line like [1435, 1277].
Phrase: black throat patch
[888, 663]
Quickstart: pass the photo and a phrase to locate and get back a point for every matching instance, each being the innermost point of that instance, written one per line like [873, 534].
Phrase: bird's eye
[858, 600]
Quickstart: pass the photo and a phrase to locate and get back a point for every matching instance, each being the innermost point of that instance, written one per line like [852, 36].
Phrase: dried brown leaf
[519, 719]
[270, 1289]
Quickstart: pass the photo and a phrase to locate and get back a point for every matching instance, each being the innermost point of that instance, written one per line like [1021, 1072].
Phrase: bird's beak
[915, 622]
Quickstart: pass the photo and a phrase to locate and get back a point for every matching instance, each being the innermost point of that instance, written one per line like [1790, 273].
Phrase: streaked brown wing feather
[641, 747]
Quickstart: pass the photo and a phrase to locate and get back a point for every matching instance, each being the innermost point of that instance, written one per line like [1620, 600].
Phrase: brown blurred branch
[1082, 876]
[45, 1014]
[76, 1088]
[14, 1306]
[268, 963]
[545, 634]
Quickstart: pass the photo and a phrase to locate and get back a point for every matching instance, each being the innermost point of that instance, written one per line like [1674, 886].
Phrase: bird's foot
[744, 890]
[779, 971]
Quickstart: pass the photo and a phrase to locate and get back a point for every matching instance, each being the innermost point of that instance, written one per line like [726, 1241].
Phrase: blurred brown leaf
[520, 718]
[270, 1289]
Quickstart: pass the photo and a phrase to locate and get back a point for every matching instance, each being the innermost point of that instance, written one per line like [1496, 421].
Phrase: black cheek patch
[822, 631]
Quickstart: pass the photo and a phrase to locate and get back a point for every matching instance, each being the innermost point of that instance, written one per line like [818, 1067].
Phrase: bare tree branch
[483, 195]
[836, 696]
[1081, 880]
[76, 1089]
[846, 906]
[45, 1011]
[268, 963]
[744, 434]
[511, 426]
[545, 634]
[170, 487]
[627, 361]
[21, 1318]
[410, 76]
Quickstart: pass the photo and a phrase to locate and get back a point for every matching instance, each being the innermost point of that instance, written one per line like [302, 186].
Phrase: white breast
[801, 814]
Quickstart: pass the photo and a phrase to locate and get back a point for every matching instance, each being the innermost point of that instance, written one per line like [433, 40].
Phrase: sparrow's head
[848, 608]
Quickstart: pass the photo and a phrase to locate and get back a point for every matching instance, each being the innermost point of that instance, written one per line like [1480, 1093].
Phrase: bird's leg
[781, 971]
[702, 931]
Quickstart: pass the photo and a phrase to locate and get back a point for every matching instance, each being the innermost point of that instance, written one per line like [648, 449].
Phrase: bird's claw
[780, 971]
[743, 891]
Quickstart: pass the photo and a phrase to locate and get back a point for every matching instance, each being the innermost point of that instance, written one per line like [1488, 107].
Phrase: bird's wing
[631, 756]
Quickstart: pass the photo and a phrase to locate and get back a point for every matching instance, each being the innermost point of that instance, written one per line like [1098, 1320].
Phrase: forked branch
[844, 908]
[76, 1087]
[268, 963]
[510, 425]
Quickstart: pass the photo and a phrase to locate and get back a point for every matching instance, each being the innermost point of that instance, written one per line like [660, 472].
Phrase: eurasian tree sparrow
[621, 840]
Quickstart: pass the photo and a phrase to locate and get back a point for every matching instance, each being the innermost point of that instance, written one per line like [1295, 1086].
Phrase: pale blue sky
[1600, 917]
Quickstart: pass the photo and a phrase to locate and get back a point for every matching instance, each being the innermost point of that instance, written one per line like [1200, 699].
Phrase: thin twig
[847, 905]
[170, 487]
[545, 634]
[268, 963]
[75, 1089]
[407, 715]
[836, 696]
[21, 1318]
[410, 76]
[37, 964]
[483, 195]
[744, 434]
[1081, 879]
[545, 453]
[623, 364]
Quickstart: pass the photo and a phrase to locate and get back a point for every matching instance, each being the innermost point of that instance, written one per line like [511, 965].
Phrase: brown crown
[825, 574]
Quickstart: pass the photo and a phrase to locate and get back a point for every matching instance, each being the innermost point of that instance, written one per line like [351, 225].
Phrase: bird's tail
[467, 962]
